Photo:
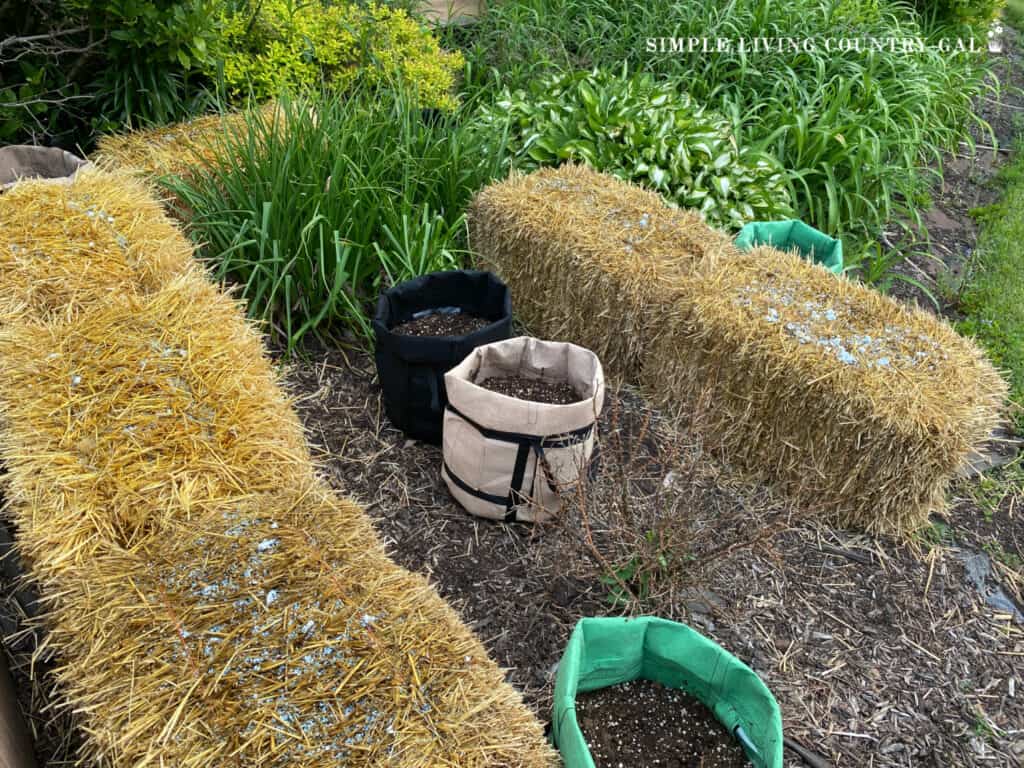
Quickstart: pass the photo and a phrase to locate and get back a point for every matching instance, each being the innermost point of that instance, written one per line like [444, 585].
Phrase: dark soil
[642, 723]
[442, 324]
[879, 653]
[535, 390]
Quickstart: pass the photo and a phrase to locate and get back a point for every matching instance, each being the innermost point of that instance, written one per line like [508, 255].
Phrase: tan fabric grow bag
[510, 459]
[24, 161]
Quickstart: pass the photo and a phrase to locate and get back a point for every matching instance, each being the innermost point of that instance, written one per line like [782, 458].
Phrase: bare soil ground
[880, 653]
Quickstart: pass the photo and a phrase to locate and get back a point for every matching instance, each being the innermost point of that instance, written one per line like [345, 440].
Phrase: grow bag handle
[526, 443]
[435, 397]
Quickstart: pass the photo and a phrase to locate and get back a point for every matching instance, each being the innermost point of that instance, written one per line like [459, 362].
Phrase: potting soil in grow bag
[644, 723]
[512, 444]
[469, 307]
[605, 652]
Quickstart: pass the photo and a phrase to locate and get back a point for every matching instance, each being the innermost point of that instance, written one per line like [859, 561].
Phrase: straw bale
[590, 258]
[140, 407]
[173, 149]
[276, 632]
[210, 601]
[854, 404]
[65, 246]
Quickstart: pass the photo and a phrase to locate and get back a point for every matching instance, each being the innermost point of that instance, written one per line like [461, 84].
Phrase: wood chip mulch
[879, 653]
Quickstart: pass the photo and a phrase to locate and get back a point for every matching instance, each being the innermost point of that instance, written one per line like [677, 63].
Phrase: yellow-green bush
[274, 45]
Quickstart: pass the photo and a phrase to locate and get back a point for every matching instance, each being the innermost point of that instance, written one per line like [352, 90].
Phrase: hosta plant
[645, 131]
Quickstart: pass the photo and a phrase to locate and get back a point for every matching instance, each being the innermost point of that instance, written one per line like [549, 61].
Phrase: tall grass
[992, 295]
[313, 209]
[857, 131]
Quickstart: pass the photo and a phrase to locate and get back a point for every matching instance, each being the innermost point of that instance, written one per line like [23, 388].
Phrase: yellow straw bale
[172, 149]
[856, 405]
[211, 602]
[590, 258]
[139, 407]
[275, 632]
[64, 246]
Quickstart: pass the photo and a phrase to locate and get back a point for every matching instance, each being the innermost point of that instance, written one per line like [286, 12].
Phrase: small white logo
[995, 38]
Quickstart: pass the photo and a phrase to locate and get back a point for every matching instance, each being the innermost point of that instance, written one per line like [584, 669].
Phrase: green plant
[273, 45]
[71, 68]
[1000, 554]
[876, 266]
[642, 130]
[1014, 13]
[154, 56]
[971, 12]
[935, 534]
[992, 295]
[857, 131]
[311, 210]
[632, 580]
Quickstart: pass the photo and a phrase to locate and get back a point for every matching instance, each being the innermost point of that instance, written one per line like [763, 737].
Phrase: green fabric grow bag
[608, 651]
[792, 233]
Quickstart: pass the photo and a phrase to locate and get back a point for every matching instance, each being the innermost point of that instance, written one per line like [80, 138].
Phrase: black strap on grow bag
[526, 443]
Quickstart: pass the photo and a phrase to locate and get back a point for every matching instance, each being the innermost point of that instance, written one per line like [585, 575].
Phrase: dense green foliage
[978, 13]
[313, 210]
[273, 45]
[993, 295]
[155, 51]
[71, 68]
[646, 131]
[98, 64]
[854, 129]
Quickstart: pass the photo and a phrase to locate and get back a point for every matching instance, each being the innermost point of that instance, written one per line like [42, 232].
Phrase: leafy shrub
[312, 207]
[645, 131]
[72, 67]
[973, 12]
[273, 45]
[154, 55]
[855, 131]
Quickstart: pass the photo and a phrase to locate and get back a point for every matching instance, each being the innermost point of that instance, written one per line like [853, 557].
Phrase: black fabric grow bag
[411, 369]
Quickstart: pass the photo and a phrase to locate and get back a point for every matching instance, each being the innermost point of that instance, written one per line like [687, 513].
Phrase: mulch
[880, 653]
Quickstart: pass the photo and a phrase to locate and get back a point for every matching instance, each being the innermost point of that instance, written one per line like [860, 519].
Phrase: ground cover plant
[646, 131]
[993, 298]
[312, 208]
[856, 132]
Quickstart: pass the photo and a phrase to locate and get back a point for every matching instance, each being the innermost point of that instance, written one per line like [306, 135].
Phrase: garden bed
[875, 650]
